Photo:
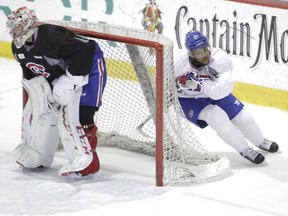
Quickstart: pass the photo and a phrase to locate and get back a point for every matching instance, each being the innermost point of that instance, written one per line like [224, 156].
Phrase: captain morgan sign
[237, 38]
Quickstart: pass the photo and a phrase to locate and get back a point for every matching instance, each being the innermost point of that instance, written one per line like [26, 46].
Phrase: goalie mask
[198, 48]
[21, 25]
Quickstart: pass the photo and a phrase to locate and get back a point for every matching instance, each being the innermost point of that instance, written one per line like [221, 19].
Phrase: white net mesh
[126, 118]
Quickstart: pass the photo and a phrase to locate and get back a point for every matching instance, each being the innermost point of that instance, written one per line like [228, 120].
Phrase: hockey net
[140, 111]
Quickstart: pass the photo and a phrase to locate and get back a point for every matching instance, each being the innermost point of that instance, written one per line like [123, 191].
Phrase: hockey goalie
[64, 76]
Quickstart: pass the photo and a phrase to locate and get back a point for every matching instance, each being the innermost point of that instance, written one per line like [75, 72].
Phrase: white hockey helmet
[21, 25]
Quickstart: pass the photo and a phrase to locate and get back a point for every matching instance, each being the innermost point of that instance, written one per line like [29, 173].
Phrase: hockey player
[204, 78]
[65, 76]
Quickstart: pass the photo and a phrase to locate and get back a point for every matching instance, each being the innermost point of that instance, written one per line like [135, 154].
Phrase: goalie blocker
[44, 122]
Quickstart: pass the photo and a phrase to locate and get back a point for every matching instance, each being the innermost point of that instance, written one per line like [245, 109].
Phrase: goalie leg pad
[79, 148]
[40, 139]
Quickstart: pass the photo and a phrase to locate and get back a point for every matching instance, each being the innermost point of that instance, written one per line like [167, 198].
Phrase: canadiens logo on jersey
[37, 69]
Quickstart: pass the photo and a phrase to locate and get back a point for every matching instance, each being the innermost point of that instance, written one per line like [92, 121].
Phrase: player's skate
[269, 146]
[253, 156]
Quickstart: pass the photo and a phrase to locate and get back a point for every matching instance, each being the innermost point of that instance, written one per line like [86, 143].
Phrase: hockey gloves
[189, 81]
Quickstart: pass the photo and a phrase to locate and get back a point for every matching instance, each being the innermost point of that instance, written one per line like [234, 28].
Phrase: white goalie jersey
[216, 79]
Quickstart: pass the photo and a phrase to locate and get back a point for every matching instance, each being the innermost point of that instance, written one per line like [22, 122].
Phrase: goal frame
[159, 88]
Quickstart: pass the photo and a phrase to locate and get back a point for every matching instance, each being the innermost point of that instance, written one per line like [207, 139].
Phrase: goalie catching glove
[65, 86]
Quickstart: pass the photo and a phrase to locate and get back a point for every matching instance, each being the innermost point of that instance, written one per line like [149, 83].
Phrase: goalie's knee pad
[40, 94]
[79, 143]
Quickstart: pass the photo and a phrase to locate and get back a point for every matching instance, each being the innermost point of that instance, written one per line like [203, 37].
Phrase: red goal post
[140, 110]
